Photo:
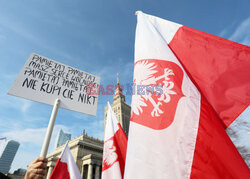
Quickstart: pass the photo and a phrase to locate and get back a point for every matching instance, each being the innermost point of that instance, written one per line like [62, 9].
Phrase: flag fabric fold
[66, 167]
[115, 146]
[191, 94]
[217, 66]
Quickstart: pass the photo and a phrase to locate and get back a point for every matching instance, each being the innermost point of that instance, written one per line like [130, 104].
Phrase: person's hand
[37, 169]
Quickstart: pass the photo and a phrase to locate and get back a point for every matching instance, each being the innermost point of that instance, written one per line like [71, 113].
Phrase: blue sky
[95, 36]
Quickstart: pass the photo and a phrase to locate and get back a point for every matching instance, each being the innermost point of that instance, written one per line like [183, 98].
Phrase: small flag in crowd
[65, 167]
[115, 146]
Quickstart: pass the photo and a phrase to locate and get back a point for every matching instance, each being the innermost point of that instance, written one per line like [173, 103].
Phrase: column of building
[97, 172]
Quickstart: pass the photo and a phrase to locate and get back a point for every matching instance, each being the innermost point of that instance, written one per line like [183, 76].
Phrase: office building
[62, 138]
[8, 152]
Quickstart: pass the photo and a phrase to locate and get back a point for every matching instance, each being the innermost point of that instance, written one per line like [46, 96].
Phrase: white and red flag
[115, 146]
[66, 167]
[190, 86]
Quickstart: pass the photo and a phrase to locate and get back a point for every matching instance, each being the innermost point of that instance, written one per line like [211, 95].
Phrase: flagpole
[50, 129]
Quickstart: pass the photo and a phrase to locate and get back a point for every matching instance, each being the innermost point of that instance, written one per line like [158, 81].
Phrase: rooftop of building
[83, 138]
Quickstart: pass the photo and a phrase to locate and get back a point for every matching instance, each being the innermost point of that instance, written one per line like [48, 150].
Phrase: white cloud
[33, 136]
[228, 31]
[242, 33]
[19, 104]
[26, 105]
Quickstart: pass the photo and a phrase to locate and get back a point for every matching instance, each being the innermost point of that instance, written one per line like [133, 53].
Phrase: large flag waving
[66, 167]
[115, 146]
[195, 85]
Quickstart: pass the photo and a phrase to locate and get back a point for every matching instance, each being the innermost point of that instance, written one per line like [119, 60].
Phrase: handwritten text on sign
[44, 80]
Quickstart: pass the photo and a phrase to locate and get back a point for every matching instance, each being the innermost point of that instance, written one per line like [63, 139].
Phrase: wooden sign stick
[50, 129]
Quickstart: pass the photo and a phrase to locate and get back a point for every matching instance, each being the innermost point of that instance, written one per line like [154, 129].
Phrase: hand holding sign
[37, 168]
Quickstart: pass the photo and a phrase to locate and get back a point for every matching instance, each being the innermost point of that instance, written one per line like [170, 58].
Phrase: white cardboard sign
[44, 80]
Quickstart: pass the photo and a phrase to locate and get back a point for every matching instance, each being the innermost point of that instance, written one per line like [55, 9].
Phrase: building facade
[8, 153]
[87, 151]
[62, 138]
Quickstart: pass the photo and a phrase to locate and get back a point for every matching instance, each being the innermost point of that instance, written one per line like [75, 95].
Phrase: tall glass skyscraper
[62, 138]
[8, 152]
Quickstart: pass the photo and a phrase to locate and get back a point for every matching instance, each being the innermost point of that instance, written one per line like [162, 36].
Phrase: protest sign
[44, 80]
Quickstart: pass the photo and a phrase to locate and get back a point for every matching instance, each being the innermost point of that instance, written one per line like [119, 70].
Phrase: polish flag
[190, 87]
[65, 167]
[115, 146]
